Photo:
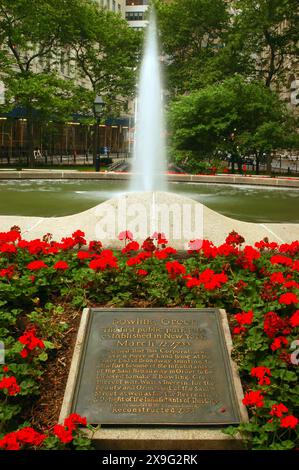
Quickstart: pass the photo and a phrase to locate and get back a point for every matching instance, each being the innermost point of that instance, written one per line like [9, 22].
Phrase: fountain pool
[50, 198]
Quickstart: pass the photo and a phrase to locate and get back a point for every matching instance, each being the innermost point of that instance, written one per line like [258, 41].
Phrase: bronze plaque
[156, 366]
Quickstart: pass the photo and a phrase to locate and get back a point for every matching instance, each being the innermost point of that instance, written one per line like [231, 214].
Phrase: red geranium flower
[165, 253]
[36, 265]
[81, 255]
[63, 434]
[10, 385]
[132, 246]
[244, 318]
[61, 265]
[74, 420]
[30, 340]
[288, 298]
[7, 248]
[294, 320]
[277, 278]
[278, 410]
[95, 246]
[10, 442]
[273, 324]
[278, 343]
[175, 269]
[105, 260]
[142, 272]
[261, 373]
[30, 436]
[280, 259]
[289, 422]
[8, 272]
[254, 398]
[234, 239]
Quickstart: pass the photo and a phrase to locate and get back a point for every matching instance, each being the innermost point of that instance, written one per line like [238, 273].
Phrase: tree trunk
[257, 170]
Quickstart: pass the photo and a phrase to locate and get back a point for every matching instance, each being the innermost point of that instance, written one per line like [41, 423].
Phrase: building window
[113, 5]
[119, 8]
[134, 16]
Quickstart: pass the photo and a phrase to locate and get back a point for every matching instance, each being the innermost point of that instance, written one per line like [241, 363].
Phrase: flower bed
[257, 285]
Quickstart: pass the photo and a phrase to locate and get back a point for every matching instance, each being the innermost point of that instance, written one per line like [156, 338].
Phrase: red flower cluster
[243, 318]
[278, 410]
[10, 385]
[103, 261]
[294, 320]
[160, 237]
[208, 278]
[30, 342]
[278, 343]
[139, 258]
[175, 269]
[7, 272]
[274, 324]
[288, 299]
[65, 432]
[165, 252]
[265, 245]
[142, 272]
[289, 422]
[132, 246]
[36, 265]
[249, 255]
[61, 265]
[261, 373]
[253, 398]
[8, 248]
[15, 440]
[234, 239]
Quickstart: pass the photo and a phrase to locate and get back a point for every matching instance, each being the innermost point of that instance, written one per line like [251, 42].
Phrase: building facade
[135, 11]
[118, 6]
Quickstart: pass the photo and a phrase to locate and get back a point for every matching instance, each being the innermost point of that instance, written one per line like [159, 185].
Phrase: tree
[265, 34]
[192, 34]
[37, 37]
[106, 51]
[32, 35]
[236, 116]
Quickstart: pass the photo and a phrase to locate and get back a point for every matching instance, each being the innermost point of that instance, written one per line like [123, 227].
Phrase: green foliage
[235, 116]
[200, 30]
[265, 35]
[38, 39]
[215, 40]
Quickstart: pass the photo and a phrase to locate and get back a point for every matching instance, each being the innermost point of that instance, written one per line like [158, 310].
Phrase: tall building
[118, 6]
[135, 13]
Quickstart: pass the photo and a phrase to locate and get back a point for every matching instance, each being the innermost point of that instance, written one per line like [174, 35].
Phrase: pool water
[49, 198]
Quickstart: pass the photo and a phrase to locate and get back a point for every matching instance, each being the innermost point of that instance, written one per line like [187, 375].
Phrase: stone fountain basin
[181, 219]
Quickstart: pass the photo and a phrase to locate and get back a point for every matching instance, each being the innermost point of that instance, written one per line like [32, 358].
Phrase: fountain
[149, 162]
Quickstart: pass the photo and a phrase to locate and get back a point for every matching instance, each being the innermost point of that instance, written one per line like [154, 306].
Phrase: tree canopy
[38, 37]
[234, 116]
[208, 41]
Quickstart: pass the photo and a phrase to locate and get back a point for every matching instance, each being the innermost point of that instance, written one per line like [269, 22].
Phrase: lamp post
[98, 106]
